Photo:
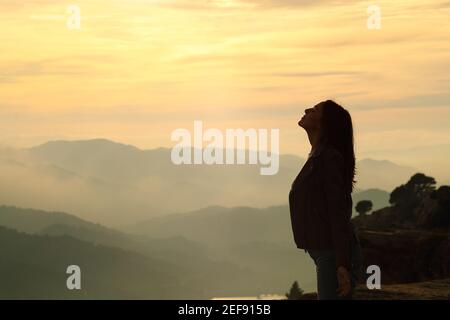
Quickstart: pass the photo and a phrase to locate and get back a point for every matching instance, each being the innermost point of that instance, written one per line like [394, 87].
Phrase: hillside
[33, 221]
[409, 241]
[406, 256]
[241, 251]
[221, 225]
[210, 269]
[34, 267]
[427, 290]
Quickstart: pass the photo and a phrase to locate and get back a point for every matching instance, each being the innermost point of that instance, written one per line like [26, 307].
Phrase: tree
[407, 197]
[418, 186]
[363, 206]
[398, 195]
[295, 293]
[422, 184]
[440, 216]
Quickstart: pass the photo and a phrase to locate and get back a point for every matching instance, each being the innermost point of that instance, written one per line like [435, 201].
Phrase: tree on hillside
[295, 293]
[363, 206]
[407, 197]
[441, 213]
[418, 186]
[422, 184]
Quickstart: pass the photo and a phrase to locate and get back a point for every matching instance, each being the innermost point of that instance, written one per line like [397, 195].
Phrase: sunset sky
[138, 69]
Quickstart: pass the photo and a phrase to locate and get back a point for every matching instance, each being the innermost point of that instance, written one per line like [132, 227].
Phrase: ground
[428, 290]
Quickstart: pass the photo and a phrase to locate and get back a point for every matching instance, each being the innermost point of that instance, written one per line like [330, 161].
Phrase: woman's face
[312, 118]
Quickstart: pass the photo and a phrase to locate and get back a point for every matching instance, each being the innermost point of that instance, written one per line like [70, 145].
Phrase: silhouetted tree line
[415, 204]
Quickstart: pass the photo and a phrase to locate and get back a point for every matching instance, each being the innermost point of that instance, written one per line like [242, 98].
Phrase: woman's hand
[344, 284]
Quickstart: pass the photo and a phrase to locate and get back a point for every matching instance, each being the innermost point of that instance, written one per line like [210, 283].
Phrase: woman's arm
[335, 198]
[336, 209]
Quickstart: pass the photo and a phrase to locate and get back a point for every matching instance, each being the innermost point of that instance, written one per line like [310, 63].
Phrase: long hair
[337, 131]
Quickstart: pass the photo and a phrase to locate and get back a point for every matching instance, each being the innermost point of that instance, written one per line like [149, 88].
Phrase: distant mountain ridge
[34, 221]
[381, 174]
[118, 184]
[82, 155]
[222, 226]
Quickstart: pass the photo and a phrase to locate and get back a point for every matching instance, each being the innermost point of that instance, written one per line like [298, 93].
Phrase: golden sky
[138, 69]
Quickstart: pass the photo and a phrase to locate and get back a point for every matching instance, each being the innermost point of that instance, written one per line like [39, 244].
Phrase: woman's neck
[313, 137]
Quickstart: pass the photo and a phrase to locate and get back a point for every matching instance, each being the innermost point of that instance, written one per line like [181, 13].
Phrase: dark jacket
[321, 207]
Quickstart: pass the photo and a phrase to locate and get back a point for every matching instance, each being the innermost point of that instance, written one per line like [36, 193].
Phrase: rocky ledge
[406, 256]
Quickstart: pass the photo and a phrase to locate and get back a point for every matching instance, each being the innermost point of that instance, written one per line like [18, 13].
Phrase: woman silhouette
[320, 200]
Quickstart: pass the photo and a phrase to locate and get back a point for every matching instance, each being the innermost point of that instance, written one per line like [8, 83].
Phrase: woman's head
[333, 125]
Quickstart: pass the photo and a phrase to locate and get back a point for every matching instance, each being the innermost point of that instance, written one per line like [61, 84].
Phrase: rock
[406, 256]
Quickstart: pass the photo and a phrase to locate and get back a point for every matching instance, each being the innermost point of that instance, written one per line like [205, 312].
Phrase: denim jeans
[326, 269]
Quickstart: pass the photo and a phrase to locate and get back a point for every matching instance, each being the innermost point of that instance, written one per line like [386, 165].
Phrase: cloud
[290, 3]
[437, 99]
[23, 4]
[241, 4]
[316, 74]
[13, 71]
